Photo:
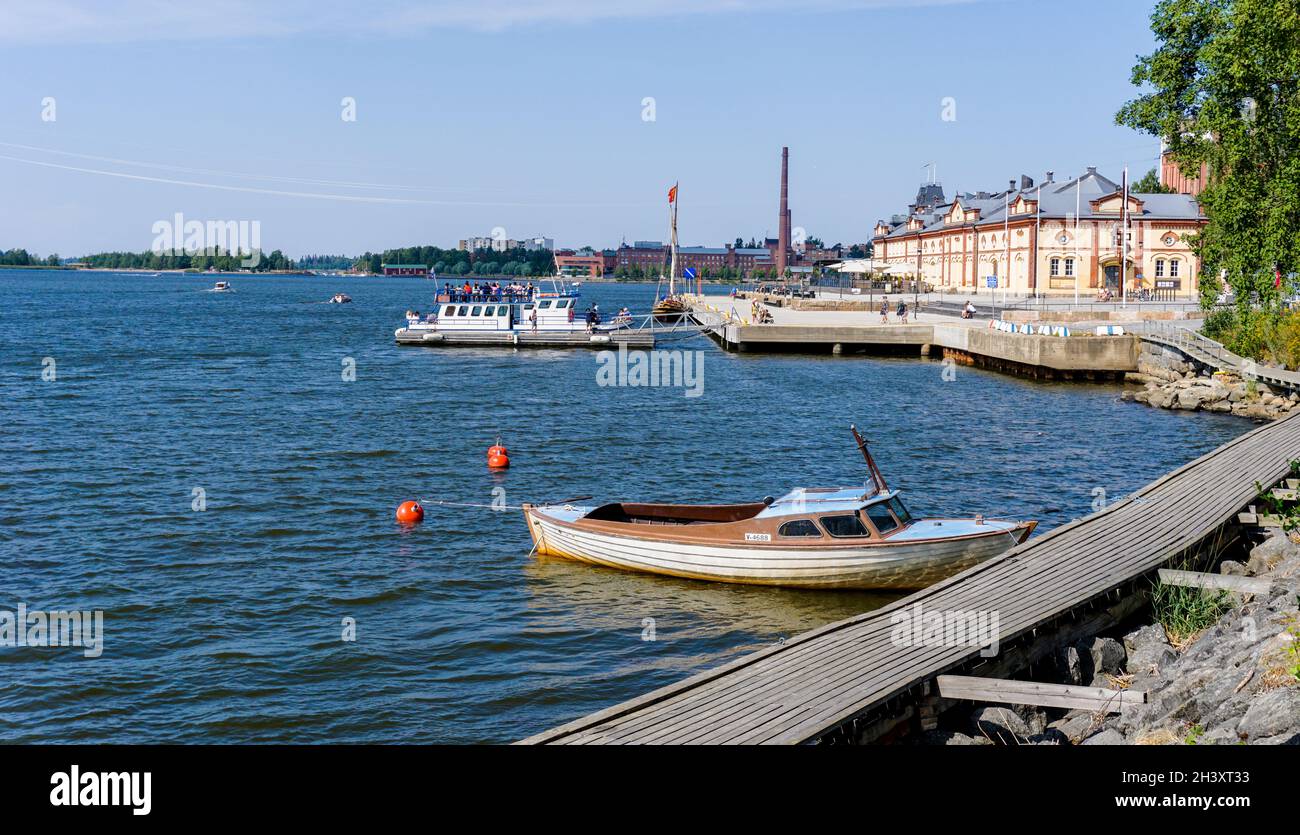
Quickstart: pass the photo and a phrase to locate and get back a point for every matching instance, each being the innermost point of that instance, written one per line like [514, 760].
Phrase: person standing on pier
[902, 312]
[884, 310]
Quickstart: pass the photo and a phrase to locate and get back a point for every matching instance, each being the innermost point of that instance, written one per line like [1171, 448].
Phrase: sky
[567, 119]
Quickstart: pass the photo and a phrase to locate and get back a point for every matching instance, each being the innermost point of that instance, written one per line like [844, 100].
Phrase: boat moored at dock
[855, 538]
[535, 319]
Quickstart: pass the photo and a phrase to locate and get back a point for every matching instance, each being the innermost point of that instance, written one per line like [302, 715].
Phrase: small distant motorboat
[847, 538]
[222, 287]
[340, 298]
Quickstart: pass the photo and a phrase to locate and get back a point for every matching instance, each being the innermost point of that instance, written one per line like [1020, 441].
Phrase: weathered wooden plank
[1223, 582]
[1012, 692]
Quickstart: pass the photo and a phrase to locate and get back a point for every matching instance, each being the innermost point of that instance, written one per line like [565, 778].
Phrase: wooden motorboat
[853, 537]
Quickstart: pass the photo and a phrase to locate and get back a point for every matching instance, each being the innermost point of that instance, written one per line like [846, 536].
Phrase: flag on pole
[1277, 276]
[672, 194]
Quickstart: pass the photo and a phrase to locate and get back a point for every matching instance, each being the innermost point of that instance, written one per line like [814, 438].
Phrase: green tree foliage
[516, 261]
[1150, 184]
[1223, 88]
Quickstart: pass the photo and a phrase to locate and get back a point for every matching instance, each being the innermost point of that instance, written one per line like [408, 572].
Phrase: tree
[1223, 89]
[1150, 184]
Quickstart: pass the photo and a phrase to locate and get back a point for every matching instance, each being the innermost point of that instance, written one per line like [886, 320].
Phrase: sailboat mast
[672, 265]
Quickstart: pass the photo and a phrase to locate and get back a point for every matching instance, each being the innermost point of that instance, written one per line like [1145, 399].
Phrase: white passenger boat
[221, 287]
[811, 538]
[554, 313]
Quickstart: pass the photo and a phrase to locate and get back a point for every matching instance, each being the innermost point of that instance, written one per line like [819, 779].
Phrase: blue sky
[477, 114]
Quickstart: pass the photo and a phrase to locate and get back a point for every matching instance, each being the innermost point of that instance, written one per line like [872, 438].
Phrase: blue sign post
[991, 281]
[688, 272]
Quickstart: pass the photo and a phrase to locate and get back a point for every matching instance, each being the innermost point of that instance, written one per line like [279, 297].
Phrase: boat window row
[885, 517]
[477, 310]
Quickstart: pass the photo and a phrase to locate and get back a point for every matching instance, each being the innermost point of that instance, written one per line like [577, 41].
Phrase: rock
[1191, 398]
[1265, 556]
[1232, 568]
[1108, 656]
[1075, 725]
[1148, 650]
[951, 738]
[1109, 736]
[1218, 406]
[1161, 398]
[1143, 636]
[1003, 725]
[1051, 736]
[1274, 713]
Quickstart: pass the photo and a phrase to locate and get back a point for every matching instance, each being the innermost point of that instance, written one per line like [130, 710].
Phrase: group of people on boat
[489, 291]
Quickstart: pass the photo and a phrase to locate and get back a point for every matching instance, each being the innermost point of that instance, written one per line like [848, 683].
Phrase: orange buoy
[410, 513]
[498, 458]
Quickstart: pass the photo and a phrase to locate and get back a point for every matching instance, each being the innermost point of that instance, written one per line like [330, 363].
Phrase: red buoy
[498, 458]
[410, 513]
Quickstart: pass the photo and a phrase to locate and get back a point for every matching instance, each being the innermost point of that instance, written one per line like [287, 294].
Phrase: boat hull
[902, 566]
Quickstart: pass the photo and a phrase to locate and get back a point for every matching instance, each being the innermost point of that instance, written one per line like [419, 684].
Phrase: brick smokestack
[783, 235]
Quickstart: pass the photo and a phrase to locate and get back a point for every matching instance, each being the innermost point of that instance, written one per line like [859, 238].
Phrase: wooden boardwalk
[811, 685]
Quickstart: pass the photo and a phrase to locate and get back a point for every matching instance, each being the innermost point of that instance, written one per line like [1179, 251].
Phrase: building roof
[1055, 201]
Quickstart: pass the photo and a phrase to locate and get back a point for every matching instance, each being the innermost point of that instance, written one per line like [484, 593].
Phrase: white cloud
[88, 21]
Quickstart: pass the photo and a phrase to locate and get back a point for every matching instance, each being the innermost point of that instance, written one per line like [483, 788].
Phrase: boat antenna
[876, 477]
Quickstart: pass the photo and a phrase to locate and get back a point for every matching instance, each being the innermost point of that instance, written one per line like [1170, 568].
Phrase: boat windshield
[880, 517]
[900, 511]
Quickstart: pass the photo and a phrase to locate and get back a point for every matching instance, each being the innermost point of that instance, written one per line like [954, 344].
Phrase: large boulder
[1270, 553]
[1273, 714]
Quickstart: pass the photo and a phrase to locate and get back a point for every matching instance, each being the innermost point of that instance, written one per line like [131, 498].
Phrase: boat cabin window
[901, 512]
[464, 310]
[799, 527]
[544, 305]
[476, 311]
[503, 310]
[563, 303]
[881, 518]
[449, 310]
[848, 525]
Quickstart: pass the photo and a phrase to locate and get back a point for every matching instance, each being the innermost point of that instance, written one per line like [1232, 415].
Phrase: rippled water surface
[224, 625]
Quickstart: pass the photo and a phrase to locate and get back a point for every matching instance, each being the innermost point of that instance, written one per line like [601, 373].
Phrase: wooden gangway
[812, 685]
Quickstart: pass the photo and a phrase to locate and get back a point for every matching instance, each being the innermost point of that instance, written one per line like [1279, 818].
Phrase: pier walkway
[823, 682]
[727, 322]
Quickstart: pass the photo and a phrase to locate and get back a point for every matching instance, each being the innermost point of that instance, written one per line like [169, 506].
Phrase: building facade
[1052, 239]
[504, 244]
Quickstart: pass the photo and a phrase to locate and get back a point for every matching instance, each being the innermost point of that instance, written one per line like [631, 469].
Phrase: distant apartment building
[705, 260]
[582, 263]
[1028, 239]
[642, 254]
[501, 244]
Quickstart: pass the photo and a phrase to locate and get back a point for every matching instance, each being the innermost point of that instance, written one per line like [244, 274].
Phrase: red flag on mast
[1277, 276]
[672, 194]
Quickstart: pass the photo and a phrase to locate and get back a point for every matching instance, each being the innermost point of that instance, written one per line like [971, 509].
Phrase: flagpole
[1123, 236]
[1078, 192]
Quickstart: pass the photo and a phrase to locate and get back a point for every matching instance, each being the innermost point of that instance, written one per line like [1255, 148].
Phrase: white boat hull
[900, 565]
